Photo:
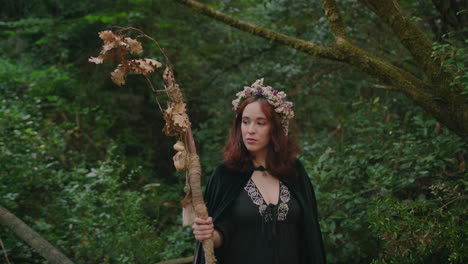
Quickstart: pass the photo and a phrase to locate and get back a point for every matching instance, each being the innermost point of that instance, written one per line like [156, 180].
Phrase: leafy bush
[373, 180]
[92, 210]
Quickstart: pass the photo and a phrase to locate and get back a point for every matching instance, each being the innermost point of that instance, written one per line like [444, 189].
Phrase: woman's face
[255, 129]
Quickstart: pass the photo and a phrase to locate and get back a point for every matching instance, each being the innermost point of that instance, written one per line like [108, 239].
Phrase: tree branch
[296, 43]
[417, 43]
[342, 51]
[332, 13]
[436, 96]
[32, 238]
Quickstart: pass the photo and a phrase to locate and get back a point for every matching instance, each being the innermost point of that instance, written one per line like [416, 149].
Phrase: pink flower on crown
[235, 103]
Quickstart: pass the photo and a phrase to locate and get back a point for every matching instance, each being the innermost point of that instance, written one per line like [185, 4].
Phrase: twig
[386, 87]
[155, 91]
[121, 29]
[453, 200]
[4, 251]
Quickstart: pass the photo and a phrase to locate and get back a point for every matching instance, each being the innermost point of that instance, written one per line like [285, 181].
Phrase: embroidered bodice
[282, 208]
[263, 233]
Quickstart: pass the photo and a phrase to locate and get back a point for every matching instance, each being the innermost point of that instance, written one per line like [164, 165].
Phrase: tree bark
[32, 238]
[435, 95]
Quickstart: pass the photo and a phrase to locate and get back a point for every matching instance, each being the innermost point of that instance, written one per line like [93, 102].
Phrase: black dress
[226, 185]
[254, 232]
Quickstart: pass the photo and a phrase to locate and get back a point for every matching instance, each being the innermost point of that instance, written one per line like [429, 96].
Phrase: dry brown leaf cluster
[176, 118]
[116, 47]
[175, 115]
[141, 66]
[172, 89]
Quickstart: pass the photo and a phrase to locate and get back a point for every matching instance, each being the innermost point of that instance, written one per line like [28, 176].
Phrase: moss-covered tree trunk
[433, 93]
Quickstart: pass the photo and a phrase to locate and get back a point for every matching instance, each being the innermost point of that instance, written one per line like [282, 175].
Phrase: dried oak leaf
[141, 66]
[176, 118]
[96, 60]
[114, 48]
[114, 51]
[168, 75]
[144, 66]
[134, 45]
[179, 115]
[107, 36]
[172, 88]
[119, 74]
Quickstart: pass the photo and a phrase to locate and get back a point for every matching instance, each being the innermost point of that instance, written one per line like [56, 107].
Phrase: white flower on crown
[274, 97]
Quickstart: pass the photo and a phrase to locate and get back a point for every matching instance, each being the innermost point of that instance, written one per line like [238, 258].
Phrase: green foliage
[423, 230]
[88, 209]
[85, 163]
[374, 178]
[454, 59]
[178, 243]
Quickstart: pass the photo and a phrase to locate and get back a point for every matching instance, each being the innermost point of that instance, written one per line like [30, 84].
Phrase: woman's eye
[260, 123]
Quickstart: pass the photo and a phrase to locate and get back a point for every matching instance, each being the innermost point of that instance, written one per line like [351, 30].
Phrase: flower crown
[274, 97]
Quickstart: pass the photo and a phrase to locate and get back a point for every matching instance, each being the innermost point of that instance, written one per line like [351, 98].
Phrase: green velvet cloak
[225, 185]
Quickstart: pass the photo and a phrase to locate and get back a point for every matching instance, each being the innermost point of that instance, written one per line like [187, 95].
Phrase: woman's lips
[251, 140]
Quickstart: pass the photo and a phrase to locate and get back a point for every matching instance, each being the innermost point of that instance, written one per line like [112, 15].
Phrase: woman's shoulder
[224, 180]
[220, 170]
[223, 172]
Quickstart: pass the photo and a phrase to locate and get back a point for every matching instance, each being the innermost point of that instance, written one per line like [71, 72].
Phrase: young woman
[261, 202]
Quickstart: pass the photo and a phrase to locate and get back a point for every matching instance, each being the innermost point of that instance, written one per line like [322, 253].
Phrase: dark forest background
[84, 162]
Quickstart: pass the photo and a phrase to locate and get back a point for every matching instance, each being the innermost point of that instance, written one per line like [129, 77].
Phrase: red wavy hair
[282, 151]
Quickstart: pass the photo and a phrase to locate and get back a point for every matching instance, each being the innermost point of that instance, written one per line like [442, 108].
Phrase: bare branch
[332, 12]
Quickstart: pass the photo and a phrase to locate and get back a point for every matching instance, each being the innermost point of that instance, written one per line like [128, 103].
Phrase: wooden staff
[116, 46]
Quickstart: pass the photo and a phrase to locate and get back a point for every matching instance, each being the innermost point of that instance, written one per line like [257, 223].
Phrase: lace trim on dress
[257, 198]
[283, 207]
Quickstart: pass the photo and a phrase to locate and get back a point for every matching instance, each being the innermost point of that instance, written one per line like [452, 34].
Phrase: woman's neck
[259, 159]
